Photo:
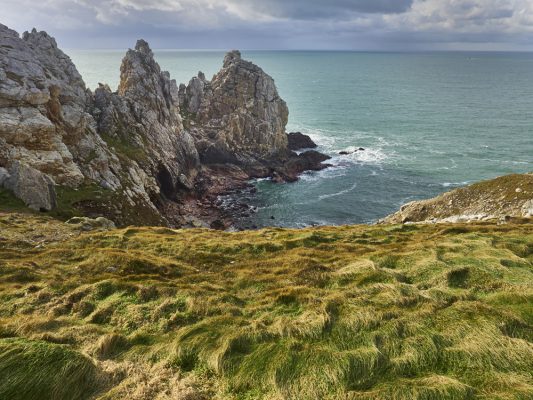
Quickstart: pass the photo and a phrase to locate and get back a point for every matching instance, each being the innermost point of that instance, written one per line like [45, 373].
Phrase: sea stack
[238, 116]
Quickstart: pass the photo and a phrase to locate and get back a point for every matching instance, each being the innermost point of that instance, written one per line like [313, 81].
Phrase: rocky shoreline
[156, 153]
[221, 188]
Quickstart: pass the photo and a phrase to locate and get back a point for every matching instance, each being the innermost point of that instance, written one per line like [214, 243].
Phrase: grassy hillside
[383, 312]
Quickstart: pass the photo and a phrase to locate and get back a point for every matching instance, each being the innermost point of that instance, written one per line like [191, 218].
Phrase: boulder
[346, 153]
[298, 141]
[33, 187]
[527, 208]
[91, 224]
[4, 175]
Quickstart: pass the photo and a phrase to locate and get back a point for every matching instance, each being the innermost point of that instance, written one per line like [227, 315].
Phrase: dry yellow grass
[381, 312]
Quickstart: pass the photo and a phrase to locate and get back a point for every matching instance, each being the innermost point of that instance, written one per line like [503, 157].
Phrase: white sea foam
[335, 171]
[378, 150]
[454, 184]
[367, 156]
[340, 193]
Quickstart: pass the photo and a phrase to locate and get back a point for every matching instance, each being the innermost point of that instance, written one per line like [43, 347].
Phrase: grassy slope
[385, 312]
[495, 197]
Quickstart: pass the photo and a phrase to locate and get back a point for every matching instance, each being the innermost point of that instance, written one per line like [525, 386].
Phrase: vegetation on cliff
[505, 196]
[396, 312]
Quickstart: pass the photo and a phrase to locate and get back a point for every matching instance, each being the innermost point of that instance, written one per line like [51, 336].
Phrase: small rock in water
[346, 153]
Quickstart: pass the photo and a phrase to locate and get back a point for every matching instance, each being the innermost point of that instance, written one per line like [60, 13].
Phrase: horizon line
[306, 50]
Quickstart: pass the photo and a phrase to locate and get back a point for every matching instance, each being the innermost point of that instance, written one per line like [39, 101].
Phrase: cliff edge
[508, 196]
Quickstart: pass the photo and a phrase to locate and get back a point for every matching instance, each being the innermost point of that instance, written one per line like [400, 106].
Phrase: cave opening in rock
[166, 183]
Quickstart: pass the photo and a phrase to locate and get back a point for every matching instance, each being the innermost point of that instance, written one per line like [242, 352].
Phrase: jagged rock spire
[143, 47]
[232, 56]
[239, 114]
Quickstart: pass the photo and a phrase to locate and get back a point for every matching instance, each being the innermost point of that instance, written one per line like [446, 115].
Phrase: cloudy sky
[280, 24]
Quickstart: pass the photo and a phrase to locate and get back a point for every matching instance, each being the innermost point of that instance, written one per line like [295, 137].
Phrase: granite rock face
[31, 186]
[143, 119]
[44, 121]
[238, 116]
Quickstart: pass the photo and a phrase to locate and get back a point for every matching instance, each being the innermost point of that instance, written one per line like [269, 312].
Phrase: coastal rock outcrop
[142, 120]
[298, 141]
[149, 153]
[44, 121]
[508, 196]
[238, 116]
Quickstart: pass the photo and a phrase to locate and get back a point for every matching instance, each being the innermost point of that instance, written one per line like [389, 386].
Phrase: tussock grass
[40, 370]
[388, 312]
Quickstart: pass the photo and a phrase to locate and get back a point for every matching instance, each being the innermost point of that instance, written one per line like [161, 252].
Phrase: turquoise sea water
[429, 122]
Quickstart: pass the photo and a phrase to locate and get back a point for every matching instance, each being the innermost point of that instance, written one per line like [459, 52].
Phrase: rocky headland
[150, 153]
[504, 198]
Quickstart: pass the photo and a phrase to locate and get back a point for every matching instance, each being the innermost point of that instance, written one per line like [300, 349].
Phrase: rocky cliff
[238, 116]
[45, 128]
[155, 152]
[143, 123]
[505, 197]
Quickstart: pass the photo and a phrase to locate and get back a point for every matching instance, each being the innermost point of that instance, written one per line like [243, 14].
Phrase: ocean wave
[367, 156]
[378, 150]
[335, 171]
[340, 193]
[455, 184]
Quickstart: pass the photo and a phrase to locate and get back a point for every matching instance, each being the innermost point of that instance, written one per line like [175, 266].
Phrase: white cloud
[466, 16]
[277, 23]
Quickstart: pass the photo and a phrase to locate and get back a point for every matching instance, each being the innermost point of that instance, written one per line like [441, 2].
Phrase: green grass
[384, 312]
[41, 370]
[8, 202]
[69, 199]
[125, 148]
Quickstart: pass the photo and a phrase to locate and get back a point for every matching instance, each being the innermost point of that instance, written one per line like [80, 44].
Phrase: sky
[390, 25]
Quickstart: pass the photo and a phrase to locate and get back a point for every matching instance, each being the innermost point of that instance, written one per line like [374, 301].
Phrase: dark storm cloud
[320, 9]
[280, 24]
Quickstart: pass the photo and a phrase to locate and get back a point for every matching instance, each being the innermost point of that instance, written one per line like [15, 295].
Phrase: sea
[429, 123]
